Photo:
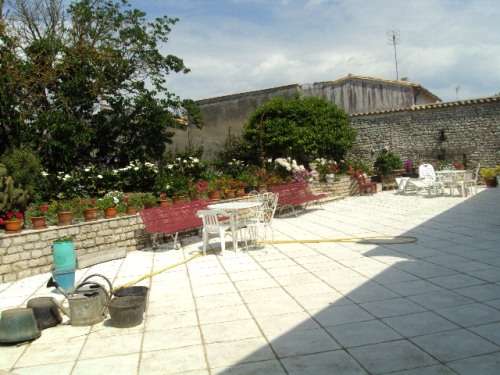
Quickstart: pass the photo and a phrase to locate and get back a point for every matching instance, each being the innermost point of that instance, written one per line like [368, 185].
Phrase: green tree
[89, 83]
[301, 128]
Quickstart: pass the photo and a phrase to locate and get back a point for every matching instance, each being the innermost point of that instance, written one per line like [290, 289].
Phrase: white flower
[136, 168]
[170, 166]
[44, 174]
[66, 177]
[149, 165]
[116, 200]
[196, 160]
[99, 176]
[87, 169]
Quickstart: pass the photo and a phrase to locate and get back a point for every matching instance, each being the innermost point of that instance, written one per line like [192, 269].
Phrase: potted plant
[385, 166]
[13, 221]
[489, 176]
[148, 200]
[134, 203]
[44, 207]
[89, 209]
[37, 217]
[64, 212]
[108, 205]
[214, 190]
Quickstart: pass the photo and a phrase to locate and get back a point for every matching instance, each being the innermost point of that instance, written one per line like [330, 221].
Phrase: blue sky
[241, 45]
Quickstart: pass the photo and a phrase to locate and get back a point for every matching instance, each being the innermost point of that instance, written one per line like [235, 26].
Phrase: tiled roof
[351, 77]
[420, 107]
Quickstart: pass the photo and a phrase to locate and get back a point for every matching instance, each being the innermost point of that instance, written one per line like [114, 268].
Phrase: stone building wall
[459, 131]
[30, 253]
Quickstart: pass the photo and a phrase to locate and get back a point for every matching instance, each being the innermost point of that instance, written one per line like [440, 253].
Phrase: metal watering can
[88, 302]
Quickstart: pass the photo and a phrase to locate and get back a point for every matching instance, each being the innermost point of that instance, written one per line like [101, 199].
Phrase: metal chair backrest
[476, 174]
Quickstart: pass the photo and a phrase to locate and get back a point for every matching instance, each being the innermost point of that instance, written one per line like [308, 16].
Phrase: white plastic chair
[471, 180]
[212, 225]
[427, 180]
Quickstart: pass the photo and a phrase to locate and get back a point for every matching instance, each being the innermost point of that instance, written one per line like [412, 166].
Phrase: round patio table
[453, 177]
[233, 210]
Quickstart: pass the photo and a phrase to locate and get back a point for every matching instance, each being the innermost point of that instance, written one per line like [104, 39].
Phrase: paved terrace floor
[427, 308]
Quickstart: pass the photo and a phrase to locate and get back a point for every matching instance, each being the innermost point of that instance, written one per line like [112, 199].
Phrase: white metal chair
[263, 217]
[471, 180]
[212, 225]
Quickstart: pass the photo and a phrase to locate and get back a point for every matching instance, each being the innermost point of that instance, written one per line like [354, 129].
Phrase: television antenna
[393, 37]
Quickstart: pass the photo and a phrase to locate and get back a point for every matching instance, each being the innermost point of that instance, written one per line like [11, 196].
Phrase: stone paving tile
[471, 315]
[230, 331]
[484, 365]
[170, 321]
[277, 325]
[271, 367]
[9, 356]
[172, 361]
[223, 314]
[97, 346]
[41, 353]
[489, 331]
[328, 363]
[392, 307]
[123, 364]
[483, 293]
[237, 352]
[363, 333]
[59, 369]
[419, 324]
[391, 356]
[411, 288]
[341, 314]
[440, 299]
[431, 370]
[452, 345]
[171, 339]
[456, 281]
[303, 342]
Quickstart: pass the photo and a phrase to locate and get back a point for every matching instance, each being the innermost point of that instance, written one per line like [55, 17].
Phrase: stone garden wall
[457, 131]
[343, 186]
[29, 252]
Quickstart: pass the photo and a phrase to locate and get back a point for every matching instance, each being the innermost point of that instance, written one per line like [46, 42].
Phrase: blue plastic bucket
[65, 279]
[64, 255]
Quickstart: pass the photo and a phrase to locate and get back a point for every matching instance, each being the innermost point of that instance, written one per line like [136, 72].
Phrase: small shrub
[386, 163]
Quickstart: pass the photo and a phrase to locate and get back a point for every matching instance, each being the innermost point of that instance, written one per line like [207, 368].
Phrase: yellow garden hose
[378, 240]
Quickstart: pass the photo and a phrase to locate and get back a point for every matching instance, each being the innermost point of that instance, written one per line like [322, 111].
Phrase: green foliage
[386, 163]
[488, 173]
[76, 92]
[11, 196]
[136, 200]
[24, 167]
[301, 128]
[148, 200]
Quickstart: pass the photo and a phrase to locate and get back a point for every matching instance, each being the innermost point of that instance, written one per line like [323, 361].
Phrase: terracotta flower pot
[39, 222]
[110, 212]
[131, 210]
[230, 194]
[44, 207]
[65, 218]
[90, 214]
[490, 182]
[164, 203]
[13, 226]
[214, 195]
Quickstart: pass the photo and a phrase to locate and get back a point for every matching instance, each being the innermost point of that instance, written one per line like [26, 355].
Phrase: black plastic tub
[134, 291]
[126, 311]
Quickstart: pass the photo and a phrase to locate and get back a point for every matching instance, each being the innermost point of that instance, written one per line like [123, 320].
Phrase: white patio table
[233, 210]
[452, 177]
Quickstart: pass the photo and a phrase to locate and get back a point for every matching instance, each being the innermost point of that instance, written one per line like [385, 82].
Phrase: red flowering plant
[457, 165]
[11, 215]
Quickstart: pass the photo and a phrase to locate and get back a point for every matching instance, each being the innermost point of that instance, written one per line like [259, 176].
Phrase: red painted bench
[295, 194]
[170, 221]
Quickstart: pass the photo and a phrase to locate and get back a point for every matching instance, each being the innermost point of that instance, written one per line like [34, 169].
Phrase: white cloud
[444, 43]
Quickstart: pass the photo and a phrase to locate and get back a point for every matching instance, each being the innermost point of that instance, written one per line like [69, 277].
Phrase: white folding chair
[212, 225]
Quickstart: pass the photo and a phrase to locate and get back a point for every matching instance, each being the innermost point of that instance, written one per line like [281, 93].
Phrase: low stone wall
[343, 186]
[29, 252]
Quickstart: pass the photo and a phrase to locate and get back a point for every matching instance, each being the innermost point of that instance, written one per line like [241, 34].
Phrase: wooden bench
[171, 221]
[295, 194]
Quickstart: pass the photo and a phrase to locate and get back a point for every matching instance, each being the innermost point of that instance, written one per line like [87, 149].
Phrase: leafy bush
[24, 167]
[386, 163]
[301, 128]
